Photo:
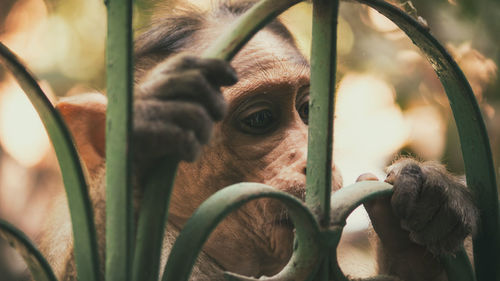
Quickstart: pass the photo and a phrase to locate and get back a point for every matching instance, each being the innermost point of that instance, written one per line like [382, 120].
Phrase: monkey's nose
[304, 171]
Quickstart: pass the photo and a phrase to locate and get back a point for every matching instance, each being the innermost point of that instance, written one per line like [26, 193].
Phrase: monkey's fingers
[407, 184]
[192, 87]
[443, 235]
[454, 221]
[161, 139]
[387, 225]
[186, 115]
[428, 203]
[218, 72]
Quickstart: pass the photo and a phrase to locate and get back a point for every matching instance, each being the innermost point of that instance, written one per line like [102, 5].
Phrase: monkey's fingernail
[232, 75]
[367, 177]
[233, 80]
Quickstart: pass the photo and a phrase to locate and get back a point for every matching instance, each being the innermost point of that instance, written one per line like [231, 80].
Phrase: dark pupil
[304, 112]
[259, 119]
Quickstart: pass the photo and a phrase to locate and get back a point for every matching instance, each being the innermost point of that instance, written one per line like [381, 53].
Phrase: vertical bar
[152, 221]
[119, 213]
[321, 106]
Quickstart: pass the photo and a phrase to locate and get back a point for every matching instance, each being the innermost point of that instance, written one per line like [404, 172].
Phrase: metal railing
[319, 221]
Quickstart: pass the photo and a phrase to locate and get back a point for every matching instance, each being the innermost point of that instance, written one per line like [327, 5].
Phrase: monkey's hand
[176, 106]
[429, 214]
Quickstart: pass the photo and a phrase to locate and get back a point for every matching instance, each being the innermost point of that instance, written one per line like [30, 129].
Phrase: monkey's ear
[85, 116]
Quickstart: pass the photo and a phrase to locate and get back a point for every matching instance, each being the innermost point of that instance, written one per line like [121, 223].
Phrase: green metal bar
[119, 211]
[476, 149]
[305, 257]
[38, 266]
[321, 106]
[85, 245]
[348, 198]
[343, 202]
[242, 30]
[152, 221]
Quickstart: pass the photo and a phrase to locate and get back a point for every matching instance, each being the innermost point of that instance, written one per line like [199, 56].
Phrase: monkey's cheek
[281, 242]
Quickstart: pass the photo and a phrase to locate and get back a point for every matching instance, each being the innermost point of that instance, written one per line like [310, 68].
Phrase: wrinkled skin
[256, 131]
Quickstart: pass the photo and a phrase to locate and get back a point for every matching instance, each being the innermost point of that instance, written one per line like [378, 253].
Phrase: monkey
[246, 122]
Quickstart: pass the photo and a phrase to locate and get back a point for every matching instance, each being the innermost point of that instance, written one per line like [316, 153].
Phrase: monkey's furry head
[174, 29]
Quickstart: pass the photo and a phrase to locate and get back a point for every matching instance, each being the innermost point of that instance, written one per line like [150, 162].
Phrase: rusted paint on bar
[321, 106]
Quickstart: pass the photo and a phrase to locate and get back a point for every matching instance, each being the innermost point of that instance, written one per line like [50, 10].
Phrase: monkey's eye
[303, 111]
[258, 122]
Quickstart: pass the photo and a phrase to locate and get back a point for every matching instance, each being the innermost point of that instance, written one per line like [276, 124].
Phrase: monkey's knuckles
[430, 213]
[185, 85]
[179, 131]
[190, 148]
[218, 72]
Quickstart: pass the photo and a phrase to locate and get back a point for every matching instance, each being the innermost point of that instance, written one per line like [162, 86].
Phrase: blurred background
[389, 101]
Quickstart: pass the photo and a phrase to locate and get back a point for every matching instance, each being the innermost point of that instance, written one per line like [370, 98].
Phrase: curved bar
[242, 30]
[348, 198]
[343, 202]
[86, 257]
[476, 149]
[196, 231]
[38, 266]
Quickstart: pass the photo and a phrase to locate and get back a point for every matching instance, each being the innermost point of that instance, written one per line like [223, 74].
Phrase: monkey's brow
[277, 83]
[251, 66]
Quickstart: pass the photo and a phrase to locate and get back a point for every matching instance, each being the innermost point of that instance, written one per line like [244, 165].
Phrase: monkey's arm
[429, 215]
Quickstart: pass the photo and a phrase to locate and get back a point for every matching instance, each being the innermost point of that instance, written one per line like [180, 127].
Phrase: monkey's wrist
[414, 263]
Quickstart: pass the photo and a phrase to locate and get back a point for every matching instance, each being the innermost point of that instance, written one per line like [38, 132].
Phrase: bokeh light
[22, 134]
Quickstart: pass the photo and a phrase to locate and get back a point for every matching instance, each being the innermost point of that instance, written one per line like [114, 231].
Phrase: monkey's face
[263, 138]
